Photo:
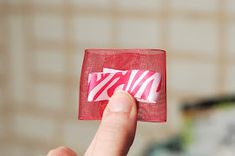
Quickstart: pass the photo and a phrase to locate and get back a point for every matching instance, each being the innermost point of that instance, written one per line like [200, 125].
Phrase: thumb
[117, 129]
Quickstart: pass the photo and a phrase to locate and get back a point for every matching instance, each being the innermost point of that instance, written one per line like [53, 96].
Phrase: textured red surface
[123, 59]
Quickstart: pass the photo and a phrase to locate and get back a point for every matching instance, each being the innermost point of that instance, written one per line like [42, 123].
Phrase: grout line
[114, 25]
[9, 101]
[165, 38]
[59, 10]
[60, 134]
[29, 50]
[26, 142]
[222, 53]
[5, 81]
[178, 54]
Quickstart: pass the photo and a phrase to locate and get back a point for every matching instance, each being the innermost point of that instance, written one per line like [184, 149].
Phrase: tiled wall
[41, 50]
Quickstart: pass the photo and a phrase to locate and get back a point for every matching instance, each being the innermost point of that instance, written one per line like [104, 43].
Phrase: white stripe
[144, 85]
[109, 70]
[98, 87]
[104, 94]
[133, 73]
[139, 79]
[99, 77]
[153, 94]
[89, 78]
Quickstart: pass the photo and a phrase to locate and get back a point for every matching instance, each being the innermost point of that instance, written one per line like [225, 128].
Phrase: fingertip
[125, 93]
[121, 102]
[61, 151]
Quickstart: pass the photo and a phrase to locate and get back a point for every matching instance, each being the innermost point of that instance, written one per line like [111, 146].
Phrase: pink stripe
[138, 74]
[149, 74]
[147, 90]
[94, 82]
[122, 79]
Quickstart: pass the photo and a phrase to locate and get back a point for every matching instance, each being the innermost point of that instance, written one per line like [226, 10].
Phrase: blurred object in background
[208, 129]
[41, 51]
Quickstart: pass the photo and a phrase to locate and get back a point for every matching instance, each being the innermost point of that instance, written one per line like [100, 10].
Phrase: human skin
[116, 132]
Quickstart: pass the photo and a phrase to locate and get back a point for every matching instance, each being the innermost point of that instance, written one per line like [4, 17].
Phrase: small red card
[141, 72]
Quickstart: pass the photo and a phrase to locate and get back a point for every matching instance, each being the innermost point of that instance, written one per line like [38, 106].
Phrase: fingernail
[121, 102]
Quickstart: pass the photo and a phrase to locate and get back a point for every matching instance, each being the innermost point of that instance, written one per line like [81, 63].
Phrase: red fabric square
[123, 59]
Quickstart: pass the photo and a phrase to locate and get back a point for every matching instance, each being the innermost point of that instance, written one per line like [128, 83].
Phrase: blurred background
[41, 51]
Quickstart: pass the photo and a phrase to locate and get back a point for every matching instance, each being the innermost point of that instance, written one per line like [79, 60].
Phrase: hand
[116, 131]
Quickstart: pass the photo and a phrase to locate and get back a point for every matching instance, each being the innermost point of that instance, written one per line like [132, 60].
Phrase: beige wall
[41, 50]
